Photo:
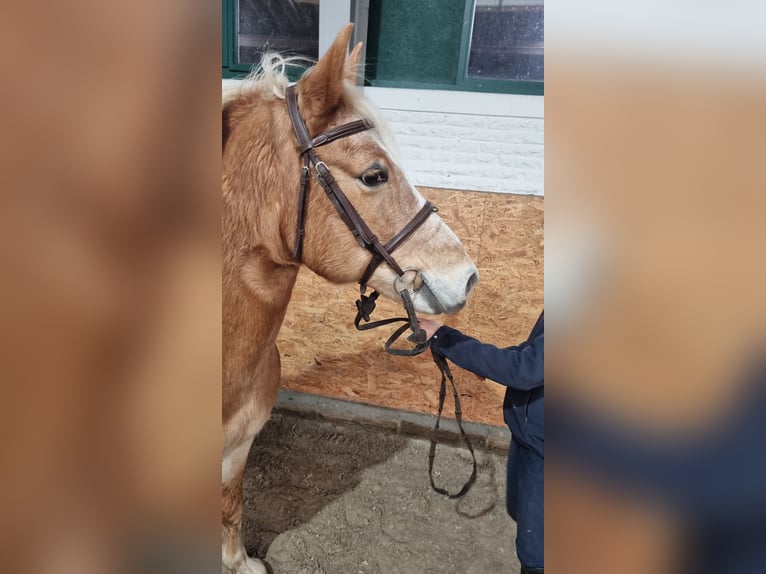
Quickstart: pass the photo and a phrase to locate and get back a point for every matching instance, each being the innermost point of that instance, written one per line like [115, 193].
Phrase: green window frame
[462, 82]
[465, 83]
[454, 55]
[231, 68]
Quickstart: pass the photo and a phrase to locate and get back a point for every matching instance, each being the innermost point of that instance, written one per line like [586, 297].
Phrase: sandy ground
[325, 498]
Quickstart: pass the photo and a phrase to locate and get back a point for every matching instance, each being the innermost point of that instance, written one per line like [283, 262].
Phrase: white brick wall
[471, 141]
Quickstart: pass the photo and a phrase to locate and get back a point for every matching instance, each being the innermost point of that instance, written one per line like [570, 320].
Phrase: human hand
[429, 326]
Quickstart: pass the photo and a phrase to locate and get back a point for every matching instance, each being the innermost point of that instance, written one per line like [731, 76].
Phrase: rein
[365, 305]
[441, 362]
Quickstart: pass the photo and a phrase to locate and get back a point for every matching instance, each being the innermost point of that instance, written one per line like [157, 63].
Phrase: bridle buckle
[365, 305]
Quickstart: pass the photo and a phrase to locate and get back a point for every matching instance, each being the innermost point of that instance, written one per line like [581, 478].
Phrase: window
[258, 26]
[507, 40]
[290, 27]
[471, 45]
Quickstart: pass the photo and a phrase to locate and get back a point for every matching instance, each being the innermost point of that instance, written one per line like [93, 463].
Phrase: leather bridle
[380, 253]
[359, 228]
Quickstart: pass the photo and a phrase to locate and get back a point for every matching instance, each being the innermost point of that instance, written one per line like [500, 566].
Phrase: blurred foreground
[655, 140]
[110, 343]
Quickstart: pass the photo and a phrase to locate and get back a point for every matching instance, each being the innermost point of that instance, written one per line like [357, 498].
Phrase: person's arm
[718, 473]
[519, 367]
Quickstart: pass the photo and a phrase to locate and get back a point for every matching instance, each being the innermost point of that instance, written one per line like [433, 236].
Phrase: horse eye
[373, 177]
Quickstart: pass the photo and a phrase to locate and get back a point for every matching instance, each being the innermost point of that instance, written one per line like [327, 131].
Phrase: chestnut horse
[261, 174]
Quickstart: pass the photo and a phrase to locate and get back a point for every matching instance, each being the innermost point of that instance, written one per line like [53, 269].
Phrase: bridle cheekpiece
[359, 228]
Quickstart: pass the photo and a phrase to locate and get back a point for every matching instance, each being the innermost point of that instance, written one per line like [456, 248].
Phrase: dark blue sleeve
[712, 477]
[519, 367]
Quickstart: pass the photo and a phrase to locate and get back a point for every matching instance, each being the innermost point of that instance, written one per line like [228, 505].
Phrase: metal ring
[399, 278]
[317, 164]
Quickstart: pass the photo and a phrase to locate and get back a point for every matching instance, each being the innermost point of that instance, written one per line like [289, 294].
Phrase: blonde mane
[269, 80]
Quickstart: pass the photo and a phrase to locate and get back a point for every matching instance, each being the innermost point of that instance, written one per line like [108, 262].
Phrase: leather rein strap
[380, 253]
[366, 305]
[446, 373]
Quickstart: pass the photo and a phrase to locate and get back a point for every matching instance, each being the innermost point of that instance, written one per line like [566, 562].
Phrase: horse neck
[260, 200]
[256, 293]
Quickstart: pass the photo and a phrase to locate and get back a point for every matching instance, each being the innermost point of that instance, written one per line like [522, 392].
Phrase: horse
[261, 171]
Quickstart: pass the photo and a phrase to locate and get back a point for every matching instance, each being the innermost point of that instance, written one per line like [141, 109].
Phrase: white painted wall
[466, 140]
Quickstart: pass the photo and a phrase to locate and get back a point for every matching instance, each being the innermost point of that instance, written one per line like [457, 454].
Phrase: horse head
[364, 166]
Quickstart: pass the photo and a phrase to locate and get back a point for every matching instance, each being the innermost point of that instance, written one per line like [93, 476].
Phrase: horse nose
[472, 281]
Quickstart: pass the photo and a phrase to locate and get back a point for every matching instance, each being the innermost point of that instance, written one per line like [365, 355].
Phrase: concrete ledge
[406, 423]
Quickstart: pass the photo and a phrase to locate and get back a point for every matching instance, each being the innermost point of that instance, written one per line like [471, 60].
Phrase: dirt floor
[324, 498]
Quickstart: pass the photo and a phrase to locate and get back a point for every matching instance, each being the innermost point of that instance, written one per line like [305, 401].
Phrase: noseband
[365, 305]
[359, 228]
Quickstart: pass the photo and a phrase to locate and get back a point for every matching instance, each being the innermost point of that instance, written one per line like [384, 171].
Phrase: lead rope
[441, 363]
[365, 306]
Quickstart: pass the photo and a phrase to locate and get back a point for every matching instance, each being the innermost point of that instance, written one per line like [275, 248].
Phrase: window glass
[290, 27]
[507, 40]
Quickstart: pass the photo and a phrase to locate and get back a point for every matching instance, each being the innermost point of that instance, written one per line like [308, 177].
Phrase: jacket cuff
[441, 334]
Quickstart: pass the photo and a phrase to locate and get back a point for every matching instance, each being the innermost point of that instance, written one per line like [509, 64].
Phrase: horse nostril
[472, 281]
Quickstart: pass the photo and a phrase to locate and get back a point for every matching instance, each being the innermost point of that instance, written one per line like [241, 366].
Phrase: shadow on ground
[326, 498]
[297, 467]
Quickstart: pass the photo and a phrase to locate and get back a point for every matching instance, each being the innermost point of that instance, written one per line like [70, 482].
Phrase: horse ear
[352, 63]
[321, 89]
